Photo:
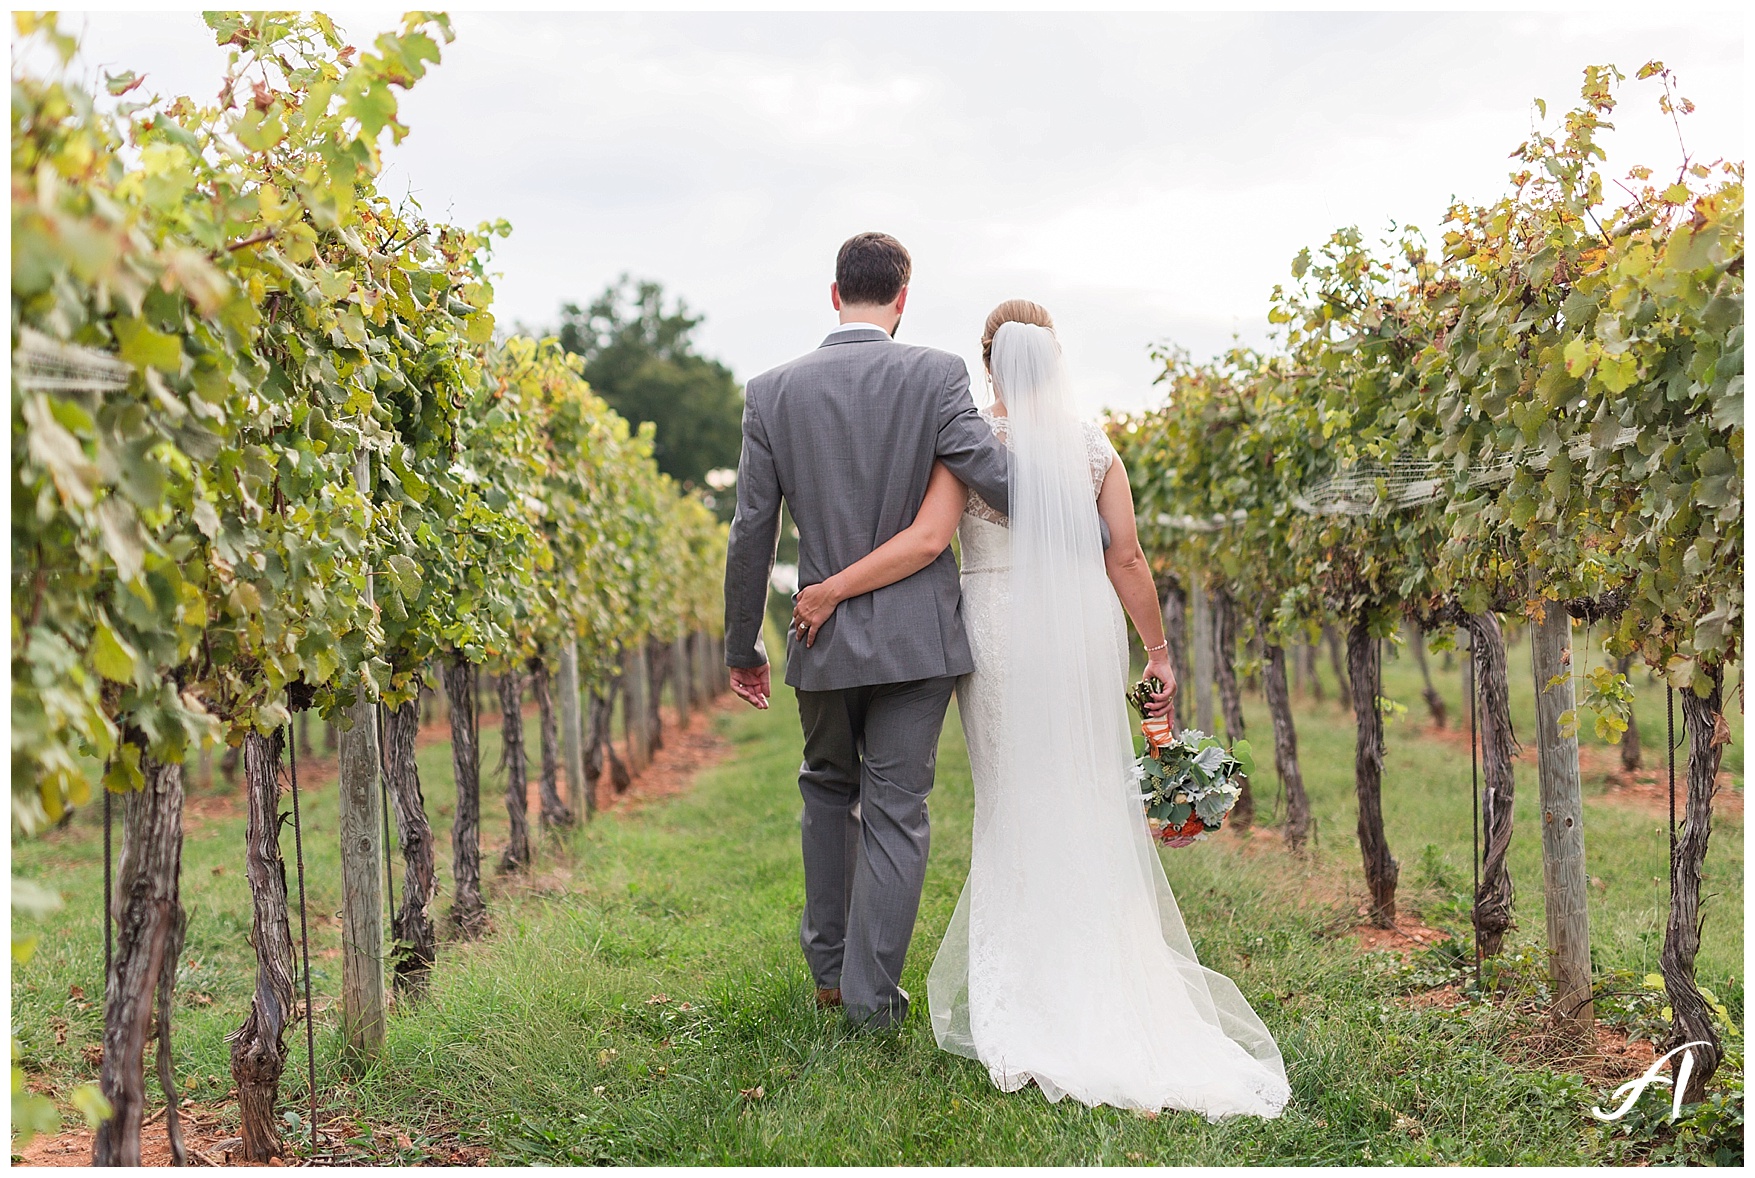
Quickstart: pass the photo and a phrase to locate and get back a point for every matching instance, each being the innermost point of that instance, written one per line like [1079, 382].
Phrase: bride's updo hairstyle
[1011, 311]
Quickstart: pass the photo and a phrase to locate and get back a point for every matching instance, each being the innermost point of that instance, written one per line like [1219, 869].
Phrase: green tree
[640, 358]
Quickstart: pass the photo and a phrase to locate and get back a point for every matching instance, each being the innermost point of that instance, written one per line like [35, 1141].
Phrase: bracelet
[1164, 645]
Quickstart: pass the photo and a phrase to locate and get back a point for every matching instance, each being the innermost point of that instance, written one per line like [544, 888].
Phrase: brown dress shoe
[828, 996]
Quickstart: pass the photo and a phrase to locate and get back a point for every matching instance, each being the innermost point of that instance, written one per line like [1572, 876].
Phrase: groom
[847, 436]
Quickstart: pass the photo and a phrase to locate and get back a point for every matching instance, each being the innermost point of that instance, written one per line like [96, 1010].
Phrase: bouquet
[1189, 778]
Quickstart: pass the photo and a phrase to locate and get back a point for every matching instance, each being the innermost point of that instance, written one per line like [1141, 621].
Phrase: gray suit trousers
[875, 748]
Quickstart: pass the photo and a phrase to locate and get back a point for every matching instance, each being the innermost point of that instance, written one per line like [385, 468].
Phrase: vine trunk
[468, 911]
[554, 810]
[512, 761]
[1708, 733]
[1230, 694]
[1381, 869]
[149, 920]
[1493, 902]
[259, 1046]
[1279, 702]
[411, 926]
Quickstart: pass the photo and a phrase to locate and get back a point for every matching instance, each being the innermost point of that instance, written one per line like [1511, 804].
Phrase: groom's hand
[751, 685]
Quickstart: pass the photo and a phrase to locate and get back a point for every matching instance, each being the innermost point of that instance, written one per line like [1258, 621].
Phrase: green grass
[542, 1042]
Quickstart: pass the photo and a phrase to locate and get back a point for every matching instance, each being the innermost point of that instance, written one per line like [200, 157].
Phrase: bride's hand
[1158, 666]
[813, 606]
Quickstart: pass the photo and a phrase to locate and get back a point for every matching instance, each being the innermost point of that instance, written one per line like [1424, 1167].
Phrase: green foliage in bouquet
[1187, 774]
[1192, 775]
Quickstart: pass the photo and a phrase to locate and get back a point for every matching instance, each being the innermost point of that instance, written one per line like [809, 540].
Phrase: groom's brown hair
[872, 269]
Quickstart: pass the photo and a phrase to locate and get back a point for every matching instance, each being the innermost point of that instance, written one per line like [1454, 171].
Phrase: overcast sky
[1146, 176]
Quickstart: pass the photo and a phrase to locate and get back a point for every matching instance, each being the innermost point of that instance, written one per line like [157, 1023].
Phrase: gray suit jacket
[847, 435]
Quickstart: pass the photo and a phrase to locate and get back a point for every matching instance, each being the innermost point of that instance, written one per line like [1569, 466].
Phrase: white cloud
[1147, 176]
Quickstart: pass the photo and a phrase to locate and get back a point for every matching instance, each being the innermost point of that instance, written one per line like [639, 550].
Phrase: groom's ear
[835, 295]
[901, 299]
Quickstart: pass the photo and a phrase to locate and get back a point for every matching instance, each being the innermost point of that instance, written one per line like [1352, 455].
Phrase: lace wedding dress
[1067, 962]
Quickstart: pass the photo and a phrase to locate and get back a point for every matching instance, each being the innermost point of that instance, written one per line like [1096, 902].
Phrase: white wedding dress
[1067, 962]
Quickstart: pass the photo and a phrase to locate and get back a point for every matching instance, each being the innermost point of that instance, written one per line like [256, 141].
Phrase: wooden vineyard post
[579, 788]
[657, 670]
[362, 882]
[697, 680]
[362, 867]
[712, 665]
[636, 708]
[1203, 658]
[681, 680]
[704, 666]
[1562, 815]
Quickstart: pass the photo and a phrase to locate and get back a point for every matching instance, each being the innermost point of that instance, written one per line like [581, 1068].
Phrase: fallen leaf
[76, 992]
[658, 1000]
[92, 1054]
[755, 1093]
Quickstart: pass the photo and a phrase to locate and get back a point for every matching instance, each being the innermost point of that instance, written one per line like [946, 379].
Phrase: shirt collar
[856, 325]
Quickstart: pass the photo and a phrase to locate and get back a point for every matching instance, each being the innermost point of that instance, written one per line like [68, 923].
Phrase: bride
[1066, 962]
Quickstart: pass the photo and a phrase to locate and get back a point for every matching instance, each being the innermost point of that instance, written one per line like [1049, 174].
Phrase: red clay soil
[1649, 790]
[672, 771]
[1407, 937]
[1644, 789]
[207, 1143]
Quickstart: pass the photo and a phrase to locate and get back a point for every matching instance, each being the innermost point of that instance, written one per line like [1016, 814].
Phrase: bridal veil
[1067, 962]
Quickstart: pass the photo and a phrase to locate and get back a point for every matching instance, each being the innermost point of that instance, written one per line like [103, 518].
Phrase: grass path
[643, 998]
